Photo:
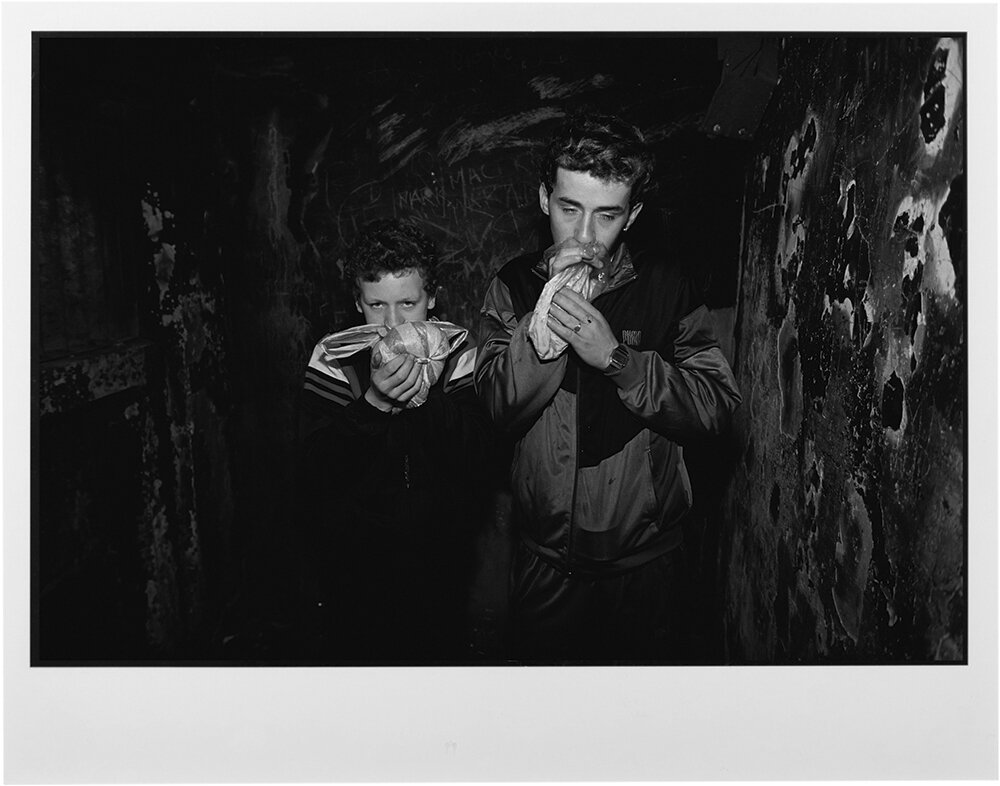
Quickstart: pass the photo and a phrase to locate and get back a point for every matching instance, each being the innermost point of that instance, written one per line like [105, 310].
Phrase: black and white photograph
[369, 355]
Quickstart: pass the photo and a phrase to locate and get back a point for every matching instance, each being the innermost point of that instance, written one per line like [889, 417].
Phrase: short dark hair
[391, 245]
[604, 146]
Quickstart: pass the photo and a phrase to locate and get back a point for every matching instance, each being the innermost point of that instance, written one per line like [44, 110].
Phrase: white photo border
[180, 724]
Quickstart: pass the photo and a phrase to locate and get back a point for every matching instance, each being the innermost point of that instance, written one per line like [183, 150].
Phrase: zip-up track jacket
[598, 478]
[392, 479]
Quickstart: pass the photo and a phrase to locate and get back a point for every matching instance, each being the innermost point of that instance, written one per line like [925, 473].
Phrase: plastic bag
[581, 277]
[430, 343]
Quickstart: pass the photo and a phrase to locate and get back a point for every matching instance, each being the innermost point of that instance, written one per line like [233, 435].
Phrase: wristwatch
[619, 357]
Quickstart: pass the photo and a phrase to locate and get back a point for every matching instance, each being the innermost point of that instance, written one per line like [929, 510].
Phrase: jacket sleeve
[695, 394]
[332, 398]
[510, 379]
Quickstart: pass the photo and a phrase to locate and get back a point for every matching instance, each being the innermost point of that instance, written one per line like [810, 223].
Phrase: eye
[607, 218]
[568, 209]
[374, 305]
[408, 304]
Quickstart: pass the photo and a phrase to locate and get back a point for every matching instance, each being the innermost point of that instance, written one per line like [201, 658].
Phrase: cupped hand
[583, 327]
[569, 252]
[394, 383]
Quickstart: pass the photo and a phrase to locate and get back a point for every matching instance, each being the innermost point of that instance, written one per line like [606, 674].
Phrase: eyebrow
[601, 209]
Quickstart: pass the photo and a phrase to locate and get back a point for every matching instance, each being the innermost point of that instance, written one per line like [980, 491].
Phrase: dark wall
[131, 455]
[192, 199]
[846, 521]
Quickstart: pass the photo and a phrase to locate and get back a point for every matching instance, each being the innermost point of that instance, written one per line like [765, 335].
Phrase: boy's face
[395, 299]
[585, 208]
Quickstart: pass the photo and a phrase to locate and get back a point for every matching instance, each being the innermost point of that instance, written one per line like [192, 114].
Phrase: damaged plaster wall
[186, 469]
[130, 445]
[846, 519]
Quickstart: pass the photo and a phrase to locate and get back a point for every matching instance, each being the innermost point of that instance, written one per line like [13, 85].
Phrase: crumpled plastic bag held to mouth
[430, 343]
[581, 277]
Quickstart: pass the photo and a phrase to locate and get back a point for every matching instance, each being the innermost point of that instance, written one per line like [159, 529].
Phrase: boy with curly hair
[390, 491]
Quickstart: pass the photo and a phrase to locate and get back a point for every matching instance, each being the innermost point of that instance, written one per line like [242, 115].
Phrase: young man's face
[585, 208]
[395, 299]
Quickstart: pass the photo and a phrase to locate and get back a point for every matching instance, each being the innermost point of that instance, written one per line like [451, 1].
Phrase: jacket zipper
[576, 473]
[576, 447]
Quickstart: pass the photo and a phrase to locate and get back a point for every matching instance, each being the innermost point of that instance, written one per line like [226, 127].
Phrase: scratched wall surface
[846, 520]
[444, 131]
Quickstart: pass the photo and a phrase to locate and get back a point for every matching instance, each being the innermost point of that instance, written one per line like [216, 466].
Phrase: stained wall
[845, 524]
[132, 488]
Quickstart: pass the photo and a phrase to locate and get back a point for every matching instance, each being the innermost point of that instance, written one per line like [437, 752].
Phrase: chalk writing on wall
[481, 213]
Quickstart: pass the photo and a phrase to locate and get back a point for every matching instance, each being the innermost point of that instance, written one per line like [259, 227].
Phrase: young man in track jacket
[600, 489]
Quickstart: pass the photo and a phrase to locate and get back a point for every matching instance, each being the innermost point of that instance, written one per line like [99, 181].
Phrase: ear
[633, 214]
[357, 305]
[543, 198]
[430, 302]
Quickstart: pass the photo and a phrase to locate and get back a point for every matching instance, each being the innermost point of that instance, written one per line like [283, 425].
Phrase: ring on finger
[576, 329]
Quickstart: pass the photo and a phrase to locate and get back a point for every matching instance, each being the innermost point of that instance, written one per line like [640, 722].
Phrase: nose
[393, 317]
[585, 229]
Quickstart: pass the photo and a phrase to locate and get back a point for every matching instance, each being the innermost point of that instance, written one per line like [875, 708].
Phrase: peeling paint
[927, 245]
[917, 341]
[70, 383]
[853, 557]
[843, 317]
[793, 228]
[940, 270]
[847, 210]
[813, 480]
[942, 93]
[172, 538]
[152, 215]
[789, 375]
[795, 173]
[893, 403]
[131, 337]
[851, 360]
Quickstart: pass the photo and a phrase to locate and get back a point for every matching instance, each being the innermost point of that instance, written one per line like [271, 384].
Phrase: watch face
[619, 357]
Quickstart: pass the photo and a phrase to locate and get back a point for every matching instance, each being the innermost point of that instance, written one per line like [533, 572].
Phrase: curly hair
[604, 146]
[394, 246]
